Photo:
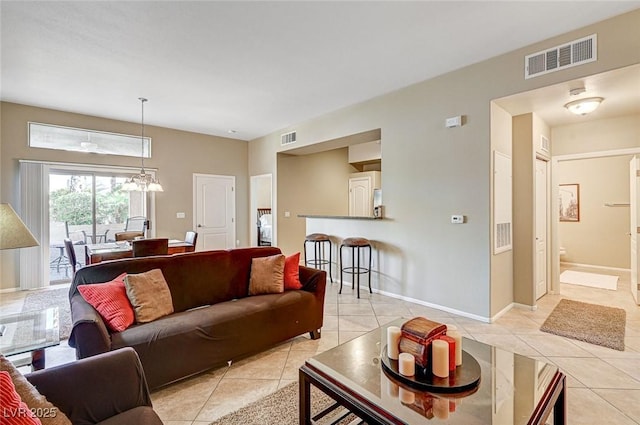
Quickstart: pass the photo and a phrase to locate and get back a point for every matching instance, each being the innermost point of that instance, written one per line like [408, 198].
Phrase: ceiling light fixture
[142, 182]
[584, 106]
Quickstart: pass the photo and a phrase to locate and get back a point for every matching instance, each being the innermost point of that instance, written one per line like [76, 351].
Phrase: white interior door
[360, 197]
[541, 228]
[633, 231]
[214, 211]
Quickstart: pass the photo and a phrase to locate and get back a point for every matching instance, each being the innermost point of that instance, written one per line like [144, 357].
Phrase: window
[79, 140]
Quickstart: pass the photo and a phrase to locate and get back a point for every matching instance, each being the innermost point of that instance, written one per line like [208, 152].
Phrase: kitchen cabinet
[361, 186]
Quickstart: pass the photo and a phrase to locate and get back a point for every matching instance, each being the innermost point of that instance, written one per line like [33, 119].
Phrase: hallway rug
[280, 407]
[592, 323]
[39, 300]
[593, 280]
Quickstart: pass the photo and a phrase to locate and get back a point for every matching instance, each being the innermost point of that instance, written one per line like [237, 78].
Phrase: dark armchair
[108, 388]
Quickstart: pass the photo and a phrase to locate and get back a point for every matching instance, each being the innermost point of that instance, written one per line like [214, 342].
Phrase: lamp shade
[13, 232]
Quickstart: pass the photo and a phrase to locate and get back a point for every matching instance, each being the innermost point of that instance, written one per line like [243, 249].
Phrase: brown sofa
[214, 319]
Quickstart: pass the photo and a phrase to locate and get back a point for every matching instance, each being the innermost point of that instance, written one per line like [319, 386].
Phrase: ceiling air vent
[288, 138]
[574, 53]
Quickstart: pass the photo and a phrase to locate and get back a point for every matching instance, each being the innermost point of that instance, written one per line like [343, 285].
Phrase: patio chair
[58, 234]
[71, 256]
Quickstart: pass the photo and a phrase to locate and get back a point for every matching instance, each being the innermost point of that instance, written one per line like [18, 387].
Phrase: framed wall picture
[569, 202]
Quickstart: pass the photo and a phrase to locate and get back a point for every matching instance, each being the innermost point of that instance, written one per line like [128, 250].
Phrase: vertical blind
[34, 190]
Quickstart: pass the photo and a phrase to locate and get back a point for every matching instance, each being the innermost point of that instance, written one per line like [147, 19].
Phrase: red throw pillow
[111, 301]
[14, 410]
[291, 272]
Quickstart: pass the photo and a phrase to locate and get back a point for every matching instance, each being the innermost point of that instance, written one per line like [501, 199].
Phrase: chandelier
[142, 182]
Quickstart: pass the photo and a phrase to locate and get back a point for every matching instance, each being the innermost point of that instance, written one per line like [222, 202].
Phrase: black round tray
[465, 378]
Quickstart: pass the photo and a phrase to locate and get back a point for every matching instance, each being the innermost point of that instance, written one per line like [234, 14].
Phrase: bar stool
[356, 244]
[318, 260]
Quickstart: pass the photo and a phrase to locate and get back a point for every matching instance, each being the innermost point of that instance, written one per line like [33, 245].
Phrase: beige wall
[263, 192]
[523, 208]
[502, 263]
[176, 155]
[431, 172]
[595, 136]
[527, 131]
[321, 186]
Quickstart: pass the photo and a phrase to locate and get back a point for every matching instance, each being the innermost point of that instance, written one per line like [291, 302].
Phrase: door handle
[200, 225]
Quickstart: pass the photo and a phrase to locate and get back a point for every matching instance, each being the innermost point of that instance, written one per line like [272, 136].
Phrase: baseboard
[8, 290]
[525, 306]
[591, 266]
[431, 305]
[501, 312]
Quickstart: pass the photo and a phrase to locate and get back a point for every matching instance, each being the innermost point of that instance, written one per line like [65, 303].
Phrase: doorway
[599, 243]
[261, 215]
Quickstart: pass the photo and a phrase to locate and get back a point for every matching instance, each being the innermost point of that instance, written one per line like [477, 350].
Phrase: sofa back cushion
[194, 279]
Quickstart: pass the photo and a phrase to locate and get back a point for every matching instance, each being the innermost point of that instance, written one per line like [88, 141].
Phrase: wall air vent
[288, 138]
[544, 144]
[503, 237]
[574, 53]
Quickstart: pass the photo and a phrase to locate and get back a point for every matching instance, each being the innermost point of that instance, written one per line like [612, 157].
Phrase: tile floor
[604, 384]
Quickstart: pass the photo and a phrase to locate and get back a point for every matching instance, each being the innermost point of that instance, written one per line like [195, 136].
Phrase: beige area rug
[52, 298]
[592, 323]
[593, 280]
[279, 408]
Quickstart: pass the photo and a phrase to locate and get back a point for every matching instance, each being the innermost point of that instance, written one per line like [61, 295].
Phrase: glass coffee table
[30, 332]
[513, 389]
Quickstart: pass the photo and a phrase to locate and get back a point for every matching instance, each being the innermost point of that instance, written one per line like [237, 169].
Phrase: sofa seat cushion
[238, 327]
[141, 415]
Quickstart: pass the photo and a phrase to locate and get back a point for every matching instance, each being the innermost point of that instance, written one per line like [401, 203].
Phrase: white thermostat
[453, 122]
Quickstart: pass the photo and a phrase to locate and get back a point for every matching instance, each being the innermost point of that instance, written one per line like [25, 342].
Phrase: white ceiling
[255, 67]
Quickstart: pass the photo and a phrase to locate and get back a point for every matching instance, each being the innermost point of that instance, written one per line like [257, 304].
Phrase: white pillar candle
[406, 364]
[440, 358]
[451, 327]
[458, 338]
[393, 342]
[392, 388]
[406, 396]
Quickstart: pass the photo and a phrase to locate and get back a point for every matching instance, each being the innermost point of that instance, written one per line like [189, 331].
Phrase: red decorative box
[416, 338]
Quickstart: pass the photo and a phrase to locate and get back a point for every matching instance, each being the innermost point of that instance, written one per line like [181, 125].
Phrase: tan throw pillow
[267, 275]
[32, 398]
[149, 295]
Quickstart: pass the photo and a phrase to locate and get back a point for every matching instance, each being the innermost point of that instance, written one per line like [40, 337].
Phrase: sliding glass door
[87, 207]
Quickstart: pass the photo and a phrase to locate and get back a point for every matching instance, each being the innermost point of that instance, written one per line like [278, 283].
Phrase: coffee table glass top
[29, 331]
[510, 387]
